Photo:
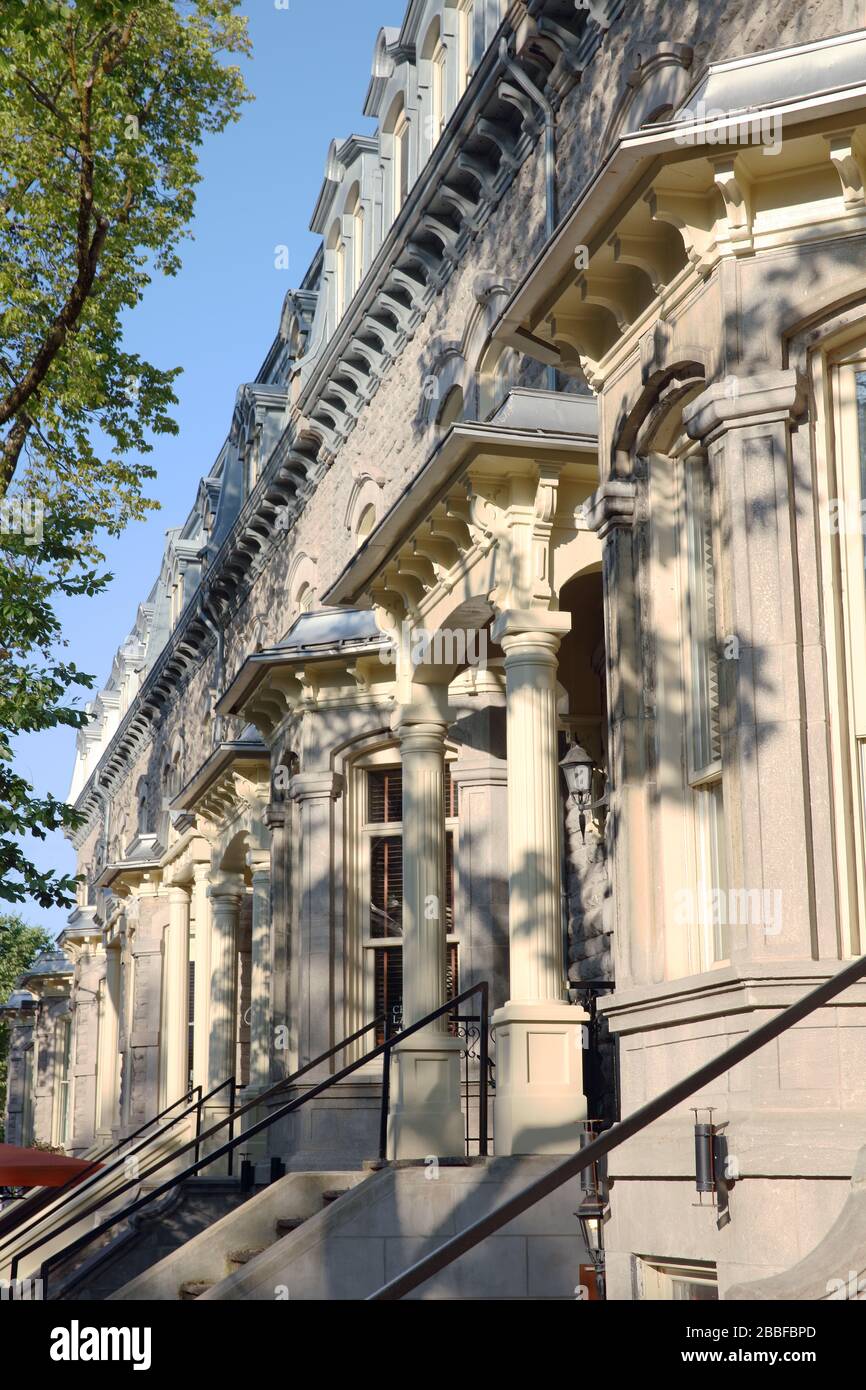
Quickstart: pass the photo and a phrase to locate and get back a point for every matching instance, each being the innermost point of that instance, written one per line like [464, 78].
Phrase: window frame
[366, 832]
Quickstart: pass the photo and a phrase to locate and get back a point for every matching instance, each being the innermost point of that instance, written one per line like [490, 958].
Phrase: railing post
[386, 1105]
[232, 1100]
[198, 1124]
[483, 1077]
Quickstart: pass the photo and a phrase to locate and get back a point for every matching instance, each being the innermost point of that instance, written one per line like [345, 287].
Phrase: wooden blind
[191, 1025]
[386, 886]
[388, 984]
[385, 796]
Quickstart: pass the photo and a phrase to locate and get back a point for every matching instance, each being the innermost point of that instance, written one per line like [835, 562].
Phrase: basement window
[677, 1281]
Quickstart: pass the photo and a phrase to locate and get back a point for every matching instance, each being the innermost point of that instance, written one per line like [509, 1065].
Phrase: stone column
[315, 793]
[539, 1105]
[226, 894]
[426, 1115]
[261, 1025]
[85, 1049]
[174, 1031]
[140, 1078]
[108, 1063]
[284, 1039]
[201, 907]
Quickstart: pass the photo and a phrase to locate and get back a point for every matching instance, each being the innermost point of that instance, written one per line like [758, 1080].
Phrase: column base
[540, 1107]
[426, 1119]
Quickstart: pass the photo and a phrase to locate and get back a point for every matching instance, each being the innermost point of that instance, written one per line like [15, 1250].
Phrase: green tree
[20, 944]
[104, 105]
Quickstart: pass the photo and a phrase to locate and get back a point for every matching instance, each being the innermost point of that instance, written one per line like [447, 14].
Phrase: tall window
[190, 1027]
[704, 730]
[62, 1107]
[339, 280]
[383, 889]
[358, 219]
[438, 89]
[401, 161]
[27, 1108]
[467, 43]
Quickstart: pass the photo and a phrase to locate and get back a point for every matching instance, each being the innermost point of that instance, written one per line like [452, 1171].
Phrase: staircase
[239, 1238]
[148, 1237]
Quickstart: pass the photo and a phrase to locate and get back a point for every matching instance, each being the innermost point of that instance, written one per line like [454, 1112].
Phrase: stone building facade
[558, 445]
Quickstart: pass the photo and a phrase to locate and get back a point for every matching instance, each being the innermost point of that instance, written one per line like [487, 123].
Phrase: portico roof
[247, 753]
[532, 426]
[810, 85]
[326, 635]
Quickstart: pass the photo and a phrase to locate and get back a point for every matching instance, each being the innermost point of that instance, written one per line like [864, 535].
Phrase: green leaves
[103, 108]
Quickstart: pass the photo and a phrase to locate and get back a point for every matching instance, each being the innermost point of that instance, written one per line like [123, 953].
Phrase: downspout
[551, 214]
[219, 674]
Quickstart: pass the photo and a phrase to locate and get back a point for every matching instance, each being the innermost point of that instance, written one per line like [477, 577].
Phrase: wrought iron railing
[225, 1150]
[94, 1175]
[488, 1225]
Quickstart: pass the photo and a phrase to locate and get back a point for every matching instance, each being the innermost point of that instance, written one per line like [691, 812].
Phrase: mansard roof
[330, 357]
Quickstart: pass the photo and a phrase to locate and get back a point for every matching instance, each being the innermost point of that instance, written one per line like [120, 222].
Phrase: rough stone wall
[389, 432]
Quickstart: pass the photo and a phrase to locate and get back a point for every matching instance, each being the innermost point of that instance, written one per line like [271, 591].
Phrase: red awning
[36, 1168]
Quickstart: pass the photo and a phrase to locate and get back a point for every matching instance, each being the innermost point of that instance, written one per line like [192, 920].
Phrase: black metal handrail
[78, 1185]
[86, 1179]
[383, 1049]
[458, 1245]
[46, 1195]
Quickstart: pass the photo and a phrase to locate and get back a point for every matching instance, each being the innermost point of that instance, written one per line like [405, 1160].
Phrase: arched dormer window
[337, 247]
[142, 820]
[435, 52]
[466, 18]
[355, 210]
[399, 129]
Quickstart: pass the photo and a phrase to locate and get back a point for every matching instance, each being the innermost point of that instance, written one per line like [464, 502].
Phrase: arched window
[498, 376]
[142, 822]
[452, 408]
[366, 522]
[305, 598]
[337, 245]
[356, 213]
[436, 53]
[400, 178]
[467, 44]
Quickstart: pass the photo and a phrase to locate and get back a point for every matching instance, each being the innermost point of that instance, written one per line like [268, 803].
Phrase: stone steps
[192, 1289]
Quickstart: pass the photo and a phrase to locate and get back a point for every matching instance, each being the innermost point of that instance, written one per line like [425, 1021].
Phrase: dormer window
[401, 161]
[356, 213]
[338, 247]
[438, 89]
[467, 43]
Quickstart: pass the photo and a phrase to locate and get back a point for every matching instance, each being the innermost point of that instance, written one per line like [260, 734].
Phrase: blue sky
[216, 319]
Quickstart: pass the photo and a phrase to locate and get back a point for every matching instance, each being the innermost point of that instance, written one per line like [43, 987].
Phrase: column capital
[737, 402]
[225, 886]
[539, 629]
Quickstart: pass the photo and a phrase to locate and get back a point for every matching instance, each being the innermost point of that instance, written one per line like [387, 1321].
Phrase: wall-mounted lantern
[577, 769]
